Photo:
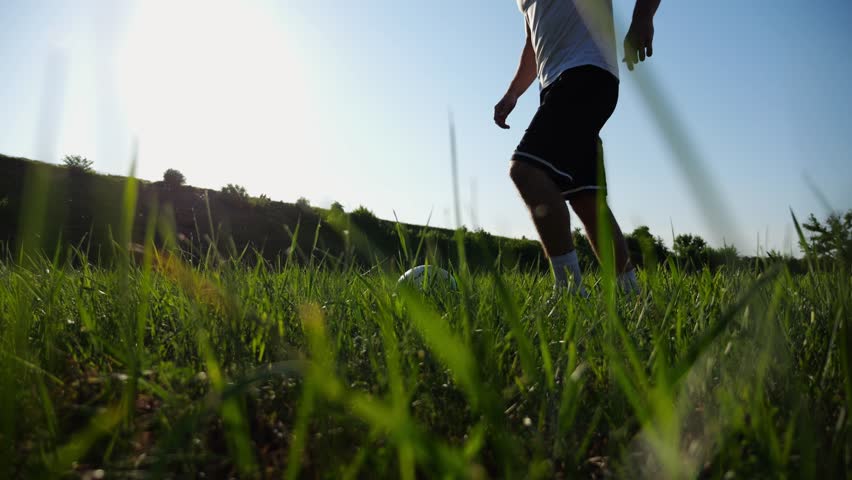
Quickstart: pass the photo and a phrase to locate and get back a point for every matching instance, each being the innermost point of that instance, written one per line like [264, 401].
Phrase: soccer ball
[428, 275]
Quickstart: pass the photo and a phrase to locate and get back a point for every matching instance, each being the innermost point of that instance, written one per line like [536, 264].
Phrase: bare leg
[547, 207]
[584, 204]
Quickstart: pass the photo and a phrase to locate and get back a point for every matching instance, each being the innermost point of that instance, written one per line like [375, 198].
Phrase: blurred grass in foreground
[159, 367]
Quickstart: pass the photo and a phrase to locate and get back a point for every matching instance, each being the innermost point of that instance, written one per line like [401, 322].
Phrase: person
[570, 49]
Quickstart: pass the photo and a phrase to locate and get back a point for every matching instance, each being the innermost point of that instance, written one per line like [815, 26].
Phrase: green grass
[164, 369]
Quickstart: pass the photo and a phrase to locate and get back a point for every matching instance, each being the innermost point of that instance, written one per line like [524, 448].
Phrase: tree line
[203, 218]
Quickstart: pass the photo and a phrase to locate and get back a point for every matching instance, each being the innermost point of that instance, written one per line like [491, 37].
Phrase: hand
[503, 108]
[638, 42]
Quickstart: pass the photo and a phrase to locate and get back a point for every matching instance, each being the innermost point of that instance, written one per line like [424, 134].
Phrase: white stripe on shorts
[544, 162]
[588, 187]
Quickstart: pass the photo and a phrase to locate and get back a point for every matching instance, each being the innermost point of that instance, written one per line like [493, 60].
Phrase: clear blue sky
[348, 101]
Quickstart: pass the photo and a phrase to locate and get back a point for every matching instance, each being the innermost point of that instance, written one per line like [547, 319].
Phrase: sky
[348, 101]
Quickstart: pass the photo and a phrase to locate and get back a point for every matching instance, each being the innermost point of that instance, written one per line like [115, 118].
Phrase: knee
[520, 173]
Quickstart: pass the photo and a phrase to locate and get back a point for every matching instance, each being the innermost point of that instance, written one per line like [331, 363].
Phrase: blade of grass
[712, 333]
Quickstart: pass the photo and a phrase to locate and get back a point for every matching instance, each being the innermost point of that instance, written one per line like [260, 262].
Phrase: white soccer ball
[428, 275]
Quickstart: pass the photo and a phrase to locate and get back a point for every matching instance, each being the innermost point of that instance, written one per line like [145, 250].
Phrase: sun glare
[207, 86]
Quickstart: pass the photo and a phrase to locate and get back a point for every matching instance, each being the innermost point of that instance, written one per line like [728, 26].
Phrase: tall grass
[156, 366]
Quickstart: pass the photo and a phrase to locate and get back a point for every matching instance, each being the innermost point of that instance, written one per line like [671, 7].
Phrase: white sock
[628, 283]
[565, 265]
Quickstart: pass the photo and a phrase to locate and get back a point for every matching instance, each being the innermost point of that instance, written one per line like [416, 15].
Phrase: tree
[235, 192]
[830, 242]
[173, 178]
[364, 213]
[793, 264]
[726, 255]
[691, 250]
[77, 164]
[584, 250]
[645, 249]
[337, 216]
[262, 201]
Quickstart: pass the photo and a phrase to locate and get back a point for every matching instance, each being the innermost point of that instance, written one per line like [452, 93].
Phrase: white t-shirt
[570, 33]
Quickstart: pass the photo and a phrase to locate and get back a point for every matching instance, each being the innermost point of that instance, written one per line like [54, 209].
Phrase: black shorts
[562, 138]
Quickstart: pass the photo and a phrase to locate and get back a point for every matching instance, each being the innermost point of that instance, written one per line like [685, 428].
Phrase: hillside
[68, 207]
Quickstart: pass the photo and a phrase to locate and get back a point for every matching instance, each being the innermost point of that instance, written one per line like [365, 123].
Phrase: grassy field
[159, 368]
